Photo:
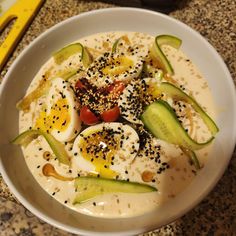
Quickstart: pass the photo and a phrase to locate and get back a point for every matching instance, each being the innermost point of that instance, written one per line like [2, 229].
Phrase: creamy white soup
[133, 130]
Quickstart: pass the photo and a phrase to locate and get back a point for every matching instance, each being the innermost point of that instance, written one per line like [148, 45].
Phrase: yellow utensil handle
[23, 11]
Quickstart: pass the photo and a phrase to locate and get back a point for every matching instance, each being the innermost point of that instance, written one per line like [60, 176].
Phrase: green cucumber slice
[158, 53]
[160, 119]
[114, 46]
[193, 157]
[116, 43]
[177, 93]
[69, 50]
[90, 187]
[58, 148]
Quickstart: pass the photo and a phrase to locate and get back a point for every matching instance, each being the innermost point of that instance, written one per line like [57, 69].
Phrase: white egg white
[61, 89]
[130, 68]
[130, 104]
[133, 99]
[123, 156]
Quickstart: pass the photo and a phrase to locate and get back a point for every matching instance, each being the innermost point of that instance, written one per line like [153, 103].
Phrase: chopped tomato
[87, 116]
[82, 84]
[116, 88]
[79, 85]
[111, 114]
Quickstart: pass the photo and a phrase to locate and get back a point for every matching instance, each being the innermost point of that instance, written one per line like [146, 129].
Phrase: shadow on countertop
[164, 6]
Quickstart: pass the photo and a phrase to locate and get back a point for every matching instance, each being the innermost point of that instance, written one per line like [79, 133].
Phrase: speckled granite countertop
[216, 215]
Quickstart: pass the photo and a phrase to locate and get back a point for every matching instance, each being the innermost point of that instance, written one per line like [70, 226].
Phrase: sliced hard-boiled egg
[106, 149]
[137, 95]
[60, 116]
[112, 67]
[130, 103]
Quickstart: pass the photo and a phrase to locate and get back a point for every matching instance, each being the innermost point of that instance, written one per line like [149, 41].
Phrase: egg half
[130, 103]
[136, 96]
[112, 67]
[60, 117]
[106, 149]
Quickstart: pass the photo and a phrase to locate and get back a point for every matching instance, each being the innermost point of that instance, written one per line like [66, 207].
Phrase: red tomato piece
[116, 88]
[87, 116]
[82, 84]
[111, 114]
[79, 85]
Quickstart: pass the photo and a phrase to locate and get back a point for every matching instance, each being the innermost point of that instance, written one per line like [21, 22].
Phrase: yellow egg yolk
[118, 66]
[153, 90]
[99, 148]
[58, 118]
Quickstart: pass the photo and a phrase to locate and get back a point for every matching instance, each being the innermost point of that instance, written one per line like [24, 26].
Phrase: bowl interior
[13, 166]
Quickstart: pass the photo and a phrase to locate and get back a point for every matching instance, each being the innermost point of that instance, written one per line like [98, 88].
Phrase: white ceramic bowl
[12, 164]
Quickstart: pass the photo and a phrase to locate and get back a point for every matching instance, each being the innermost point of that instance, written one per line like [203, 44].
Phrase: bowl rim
[63, 226]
